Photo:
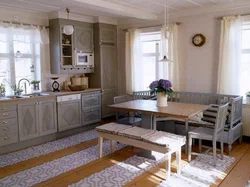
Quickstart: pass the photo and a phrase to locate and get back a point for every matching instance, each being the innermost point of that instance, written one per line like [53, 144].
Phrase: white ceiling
[118, 9]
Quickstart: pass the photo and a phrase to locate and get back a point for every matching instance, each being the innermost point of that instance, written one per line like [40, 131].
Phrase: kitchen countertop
[50, 95]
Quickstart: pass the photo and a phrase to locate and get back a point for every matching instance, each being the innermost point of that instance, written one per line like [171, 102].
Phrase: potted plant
[2, 90]
[163, 89]
[248, 97]
[35, 84]
[17, 91]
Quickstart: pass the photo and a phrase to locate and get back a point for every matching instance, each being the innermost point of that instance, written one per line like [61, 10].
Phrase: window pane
[24, 48]
[244, 74]
[148, 47]
[148, 71]
[24, 70]
[5, 74]
[152, 36]
[246, 39]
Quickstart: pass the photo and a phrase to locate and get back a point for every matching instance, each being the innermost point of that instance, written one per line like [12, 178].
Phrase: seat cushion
[202, 132]
[112, 128]
[136, 133]
[165, 139]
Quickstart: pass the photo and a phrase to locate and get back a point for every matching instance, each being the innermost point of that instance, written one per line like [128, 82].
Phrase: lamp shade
[68, 29]
[165, 59]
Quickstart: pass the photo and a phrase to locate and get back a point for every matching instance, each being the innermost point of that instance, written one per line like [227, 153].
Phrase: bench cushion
[112, 128]
[165, 139]
[136, 133]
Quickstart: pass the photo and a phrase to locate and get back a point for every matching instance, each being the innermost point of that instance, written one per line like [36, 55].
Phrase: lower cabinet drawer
[8, 129]
[10, 121]
[91, 116]
[8, 139]
[10, 114]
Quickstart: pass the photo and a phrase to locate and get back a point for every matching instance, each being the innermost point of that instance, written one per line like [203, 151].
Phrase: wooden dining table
[150, 110]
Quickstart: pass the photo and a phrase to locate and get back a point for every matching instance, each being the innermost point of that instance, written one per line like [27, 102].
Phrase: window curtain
[170, 70]
[133, 61]
[230, 56]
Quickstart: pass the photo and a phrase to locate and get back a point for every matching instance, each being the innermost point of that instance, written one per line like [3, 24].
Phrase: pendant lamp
[68, 29]
[166, 17]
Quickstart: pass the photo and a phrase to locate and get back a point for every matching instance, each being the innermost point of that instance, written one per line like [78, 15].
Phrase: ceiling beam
[124, 10]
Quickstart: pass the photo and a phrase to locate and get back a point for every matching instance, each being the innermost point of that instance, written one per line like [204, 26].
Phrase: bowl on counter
[77, 87]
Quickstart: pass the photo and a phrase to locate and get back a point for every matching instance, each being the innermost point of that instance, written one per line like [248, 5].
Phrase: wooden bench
[152, 140]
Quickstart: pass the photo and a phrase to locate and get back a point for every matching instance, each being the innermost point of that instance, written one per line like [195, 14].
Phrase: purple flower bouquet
[161, 86]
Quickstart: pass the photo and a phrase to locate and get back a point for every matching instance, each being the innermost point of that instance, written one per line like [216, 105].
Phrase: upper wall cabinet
[83, 39]
[63, 47]
[107, 35]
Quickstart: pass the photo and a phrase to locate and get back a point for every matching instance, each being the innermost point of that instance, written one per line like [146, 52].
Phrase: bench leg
[186, 131]
[112, 144]
[178, 160]
[168, 166]
[100, 140]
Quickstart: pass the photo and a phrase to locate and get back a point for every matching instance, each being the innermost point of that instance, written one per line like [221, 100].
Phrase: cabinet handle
[5, 129]
[6, 138]
[4, 108]
[5, 114]
[4, 122]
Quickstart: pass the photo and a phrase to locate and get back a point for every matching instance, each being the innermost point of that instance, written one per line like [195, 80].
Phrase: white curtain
[170, 70]
[230, 56]
[133, 61]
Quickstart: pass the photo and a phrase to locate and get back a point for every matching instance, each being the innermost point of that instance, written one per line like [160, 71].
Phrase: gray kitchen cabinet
[36, 118]
[91, 100]
[108, 99]
[69, 115]
[91, 116]
[109, 68]
[47, 117]
[105, 75]
[8, 124]
[28, 120]
[63, 47]
[91, 108]
[108, 35]
[83, 39]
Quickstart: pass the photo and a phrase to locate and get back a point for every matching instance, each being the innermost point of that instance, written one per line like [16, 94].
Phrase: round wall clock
[199, 40]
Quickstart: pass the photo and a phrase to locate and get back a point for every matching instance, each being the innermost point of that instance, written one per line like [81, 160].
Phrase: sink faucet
[25, 88]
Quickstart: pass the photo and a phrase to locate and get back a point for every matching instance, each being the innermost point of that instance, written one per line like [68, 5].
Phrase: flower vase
[248, 100]
[162, 99]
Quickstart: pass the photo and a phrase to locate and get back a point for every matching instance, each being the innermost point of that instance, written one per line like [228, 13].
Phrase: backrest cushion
[210, 114]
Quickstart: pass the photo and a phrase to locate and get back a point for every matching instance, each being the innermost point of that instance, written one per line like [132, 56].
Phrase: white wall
[199, 65]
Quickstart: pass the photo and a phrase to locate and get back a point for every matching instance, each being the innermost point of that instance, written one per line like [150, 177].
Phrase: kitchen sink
[36, 95]
[15, 97]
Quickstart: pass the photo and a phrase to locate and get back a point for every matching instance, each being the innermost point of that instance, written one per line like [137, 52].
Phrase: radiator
[246, 120]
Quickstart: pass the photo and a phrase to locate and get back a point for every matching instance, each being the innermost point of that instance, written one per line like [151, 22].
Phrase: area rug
[200, 172]
[55, 167]
[121, 173]
[43, 149]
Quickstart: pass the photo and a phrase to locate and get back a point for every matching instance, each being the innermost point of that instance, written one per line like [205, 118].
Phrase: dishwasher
[69, 111]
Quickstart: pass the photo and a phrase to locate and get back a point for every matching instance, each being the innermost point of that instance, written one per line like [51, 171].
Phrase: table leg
[112, 146]
[186, 131]
[147, 123]
[100, 140]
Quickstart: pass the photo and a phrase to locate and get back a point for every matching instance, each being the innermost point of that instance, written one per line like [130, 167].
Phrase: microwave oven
[84, 59]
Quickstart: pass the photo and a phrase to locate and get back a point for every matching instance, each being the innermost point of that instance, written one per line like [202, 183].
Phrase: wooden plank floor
[236, 175]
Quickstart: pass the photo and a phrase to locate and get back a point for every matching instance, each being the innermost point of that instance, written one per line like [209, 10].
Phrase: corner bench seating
[152, 140]
[233, 126]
